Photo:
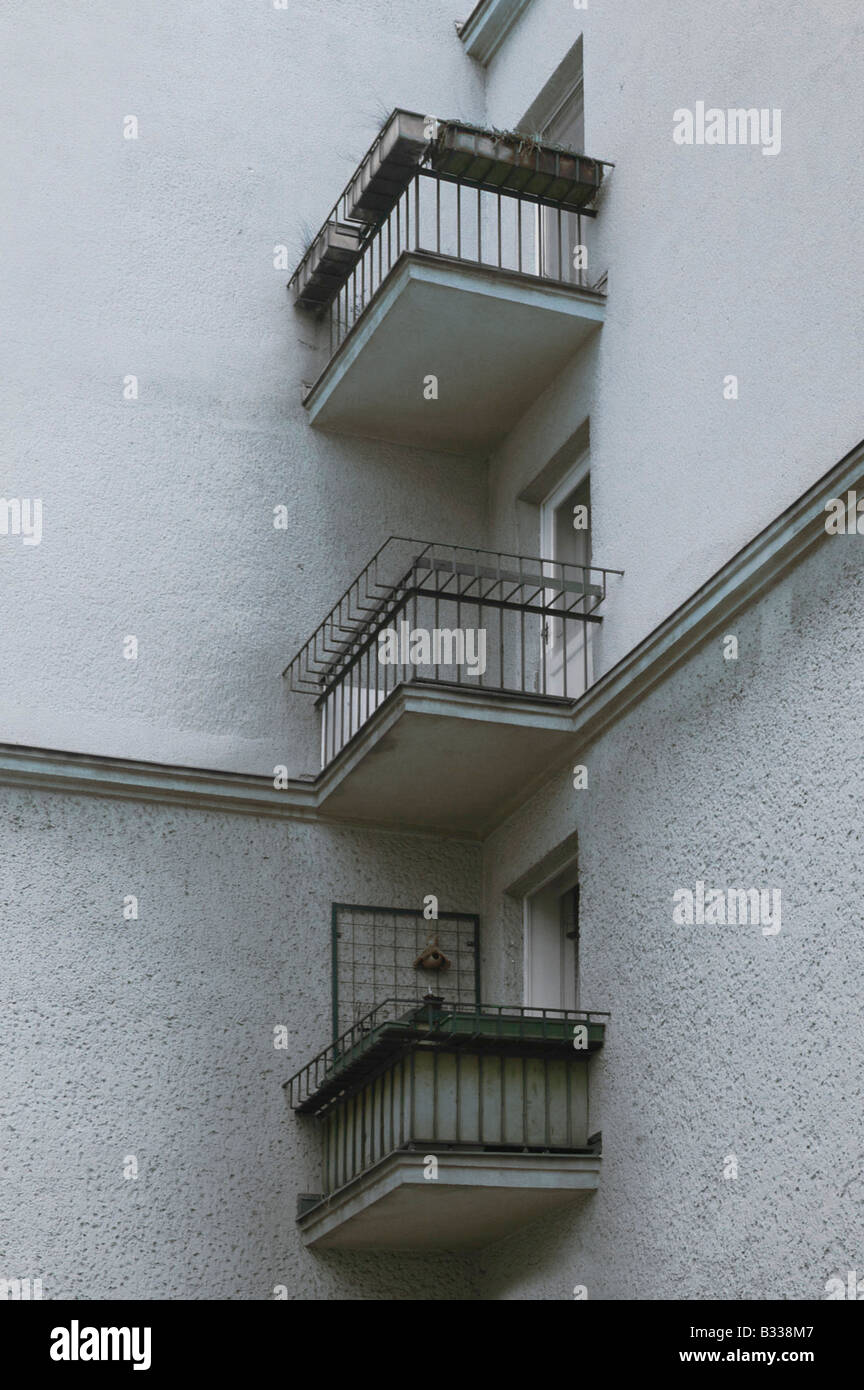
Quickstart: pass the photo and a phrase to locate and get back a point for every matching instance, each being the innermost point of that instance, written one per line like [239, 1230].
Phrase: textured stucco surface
[154, 257]
[154, 1038]
[721, 260]
[722, 1041]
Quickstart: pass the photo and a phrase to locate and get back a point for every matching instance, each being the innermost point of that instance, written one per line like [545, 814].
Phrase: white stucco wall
[155, 258]
[722, 1041]
[154, 1038]
[721, 260]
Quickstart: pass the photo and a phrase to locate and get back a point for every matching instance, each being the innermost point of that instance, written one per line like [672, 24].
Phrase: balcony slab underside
[477, 1198]
[494, 339]
[440, 758]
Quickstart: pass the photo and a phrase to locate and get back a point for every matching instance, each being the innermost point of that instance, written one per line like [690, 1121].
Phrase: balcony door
[551, 934]
[560, 231]
[565, 540]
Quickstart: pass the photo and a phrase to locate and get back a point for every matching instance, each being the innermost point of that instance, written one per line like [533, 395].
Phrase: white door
[551, 927]
[560, 231]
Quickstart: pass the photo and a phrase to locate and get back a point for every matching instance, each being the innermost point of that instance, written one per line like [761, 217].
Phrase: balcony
[450, 256]
[448, 1125]
[445, 678]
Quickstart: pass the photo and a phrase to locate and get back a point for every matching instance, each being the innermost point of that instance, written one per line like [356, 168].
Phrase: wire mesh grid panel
[376, 951]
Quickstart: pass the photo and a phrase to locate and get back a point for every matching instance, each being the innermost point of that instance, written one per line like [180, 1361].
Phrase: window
[566, 125]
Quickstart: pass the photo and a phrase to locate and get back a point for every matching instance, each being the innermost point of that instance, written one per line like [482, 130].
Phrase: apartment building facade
[431, 692]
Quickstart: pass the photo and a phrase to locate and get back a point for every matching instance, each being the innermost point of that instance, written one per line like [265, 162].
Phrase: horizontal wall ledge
[133, 780]
[759, 564]
[783, 543]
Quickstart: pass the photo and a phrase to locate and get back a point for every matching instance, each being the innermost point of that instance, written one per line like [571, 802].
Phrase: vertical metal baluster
[561, 275]
[364, 1127]
[479, 231]
[413, 1117]
[519, 233]
[564, 628]
[499, 231]
[547, 1133]
[344, 1147]
[392, 1138]
[459, 220]
[501, 1092]
[587, 574]
[523, 678]
[579, 241]
[438, 215]
[416, 212]
[341, 689]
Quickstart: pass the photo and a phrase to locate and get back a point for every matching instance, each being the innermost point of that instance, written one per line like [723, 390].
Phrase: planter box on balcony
[388, 167]
[505, 161]
[334, 253]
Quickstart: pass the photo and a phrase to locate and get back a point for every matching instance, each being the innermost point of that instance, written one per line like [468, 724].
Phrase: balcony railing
[492, 1078]
[398, 1024]
[461, 194]
[424, 612]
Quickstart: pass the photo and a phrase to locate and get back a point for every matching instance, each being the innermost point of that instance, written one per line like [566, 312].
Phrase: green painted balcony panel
[498, 1094]
[431, 1098]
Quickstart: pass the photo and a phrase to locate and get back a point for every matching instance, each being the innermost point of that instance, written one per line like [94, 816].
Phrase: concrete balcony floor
[478, 1197]
[494, 339]
[456, 760]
